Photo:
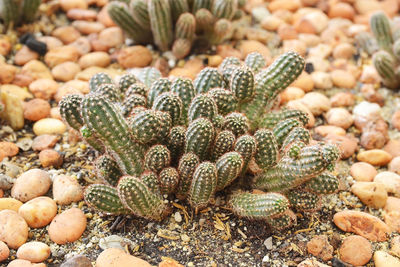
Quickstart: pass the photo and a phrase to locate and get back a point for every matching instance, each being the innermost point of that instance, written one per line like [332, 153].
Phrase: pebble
[343, 50]
[395, 246]
[347, 144]
[81, 14]
[319, 247]
[8, 203]
[291, 93]
[77, 261]
[88, 27]
[4, 251]
[66, 190]
[363, 172]
[8, 73]
[99, 59]
[248, 46]
[24, 263]
[50, 41]
[363, 224]
[392, 219]
[339, 117]
[316, 102]
[395, 120]
[369, 111]
[356, 250]
[36, 70]
[391, 181]
[104, 18]
[66, 34]
[33, 251]
[44, 141]
[49, 126]
[60, 55]
[50, 158]
[372, 194]
[65, 71]
[311, 263]
[178, 217]
[377, 157]
[394, 165]
[82, 86]
[304, 82]
[13, 229]
[115, 241]
[343, 79]
[24, 55]
[384, 259]
[38, 212]
[393, 147]
[36, 109]
[111, 37]
[134, 57]
[297, 104]
[67, 5]
[8, 149]
[369, 75]
[82, 44]
[325, 130]
[287, 32]
[392, 204]
[322, 80]
[67, 226]
[31, 184]
[271, 23]
[43, 88]
[114, 257]
[342, 99]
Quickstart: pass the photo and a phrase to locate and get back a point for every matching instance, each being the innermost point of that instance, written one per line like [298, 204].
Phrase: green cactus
[104, 198]
[303, 200]
[126, 80]
[18, 12]
[224, 9]
[267, 149]
[170, 103]
[218, 122]
[225, 100]
[229, 167]
[298, 134]
[202, 105]
[222, 30]
[199, 137]
[207, 79]
[271, 119]
[140, 14]
[184, 88]
[229, 61]
[137, 88]
[385, 64]
[237, 123]
[224, 143]
[324, 183]
[176, 142]
[145, 126]
[204, 20]
[185, 26]
[284, 220]
[242, 84]
[366, 42]
[160, 86]
[283, 129]
[131, 102]
[199, 4]
[108, 170]
[178, 7]
[203, 185]
[187, 165]
[143, 202]
[98, 79]
[149, 75]
[157, 158]
[380, 27]
[150, 179]
[109, 91]
[181, 48]
[168, 180]
[246, 145]
[255, 61]
[161, 23]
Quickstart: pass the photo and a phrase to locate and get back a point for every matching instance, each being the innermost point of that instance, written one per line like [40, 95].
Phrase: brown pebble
[43, 88]
[339, 117]
[82, 44]
[65, 71]
[36, 109]
[67, 5]
[88, 27]
[44, 141]
[372, 194]
[81, 14]
[99, 59]
[13, 229]
[24, 55]
[393, 147]
[363, 172]
[134, 56]
[394, 165]
[111, 37]
[8, 149]
[38, 212]
[342, 99]
[77, 261]
[320, 247]
[50, 158]
[67, 34]
[67, 226]
[24, 263]
[114, 257]
[355, 250]
[395, 120]
[375, 157]
[34, 251]
[60, 55]
[248, 46]
[66, 190]
[347, 143]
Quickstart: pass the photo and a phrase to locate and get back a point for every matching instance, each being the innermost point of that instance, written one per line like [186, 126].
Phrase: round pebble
[384, 259]
[8, 203]
[394, 165]
[316, 102]
[43, 88]
[134, 57]
[50, 158]
[77, 261]
[66, 190]
[114, 257]
[36, 109]
[13, 229]
[44, 141]
[99, 59]
[339, 117]
[391, 181]
[67, 226]
[65, 71]
[372, 194]
[363, 172]
[4, 251]
[320, 247]
[375, 157]
[39, 211]
[24, 263]
[31, 184]
[355, 250]
[60, 55]
[49, 126]
[33, 251]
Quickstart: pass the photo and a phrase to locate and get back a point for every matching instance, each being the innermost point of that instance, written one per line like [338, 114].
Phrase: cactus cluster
[16, 12]
[384, 48]
[192, 139]
[174, 24]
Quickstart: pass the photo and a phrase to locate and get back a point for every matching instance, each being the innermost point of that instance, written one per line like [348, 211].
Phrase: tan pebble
[271, 23]
[43, 88]
[104, 18]
[34, 251]
[392, 204]
[391, 181]
[347, 144]
[55, 113]
[37, 70]
[66, 34]
[82, 86]
[344, 50]
[228, 51]
[341, 10]
[366, 6]
[305, 82]
[50, 158]
[66, 190]
[38, 212]
[8, 203]
[311, 262]
[248, 46]
[44, 141]
[99, 59]
[316, 102]
[169, 263]
[291, 5]
[13, 229]
[4, 251]
[343, 79]
[88, 27]
[22, 80]
[393, 147]
[383, 259]
[363, 172]
[298, 104]
[82, 44]
[342, 99]
[7, 73]
[134, 56]
[320, 64]
[322, 80]
[362, 223]
[339, 117]
[320, 51]
[114, 257]
[98, 45]
[394, 165]
[291, 93]
[67, 226]
[60, 55]
[36, 109]
[66, 90]
[81, 14]
[65, 71]
[370, 75]
[111, 37]
[5, 46]
[31, 184]
[355, 250]
[371, 139]
[320, 247]
[77, 261]
[295, 45]
[395, 246]
[24, 263]
[49, 126]
[86, 74]
[372, 194]
[214, 61]
[309, 39]
[395, 120]
[375, 157]
[287, 32]
[182, 72]
[67, 5]
[24, 55]
[50, 41]
[318, 19]
[392, 219]
[303, 25]
[8, 149]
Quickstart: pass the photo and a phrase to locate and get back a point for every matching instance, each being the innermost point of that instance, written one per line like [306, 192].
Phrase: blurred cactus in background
[15, 12]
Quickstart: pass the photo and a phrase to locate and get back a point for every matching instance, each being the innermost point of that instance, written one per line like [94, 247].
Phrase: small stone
[394, 165]
[347, 144]
[304, 82]
[393, 147]
[394, 244]
[88, 27]
[38, 212]
[115, 241]
[363, 172]
[343, 79]
[291, 93]
[287, 32]
[114, 257]
[342, 99]
[33, 251]
[111, 37]
[31, 184]
[99, 59]
[67, 5]
[320, 247]
[298, 104]
[248, 46]
[81, 14]
[36, 109]
[67, 226]
[50, 158]
[82, 86]
[368, 110]
[311, 263]
[339, 117]
[49, 126]
[65, 90]
[185, 238]
[44, 141]
[77, 261]
[316, 102]
[363, 224]
[372, 194]
[322, 80]
[13, 229]
[271, 23]
[66, 190]
[8, 149]
[178, 217]
[24, 55]
[392, 219]
[383, 259]
[24, 263]
[8, 73]
[82, 44]
[395, 120]
[50, 41]
[355, 250]
[375, 157]
[392, 204]
[36, 70]
[65, 71]
[4, 251]
[325, 130]
[8, 203]
[168, 262]
[43, 88]
[134, 56]
[391, 181]
[60, 55]
[369, 75]
[67, 34]
[343, 50]
[321, 51]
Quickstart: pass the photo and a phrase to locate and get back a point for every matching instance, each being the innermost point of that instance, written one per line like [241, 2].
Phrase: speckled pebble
[66, 190]
[31, 184]
[13, 229]
[384, 259]
[77, 261]
[38, 212]
[372, 194]
[33, 251]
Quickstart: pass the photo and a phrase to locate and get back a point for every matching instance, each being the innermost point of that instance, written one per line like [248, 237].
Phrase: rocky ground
[44, 166]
